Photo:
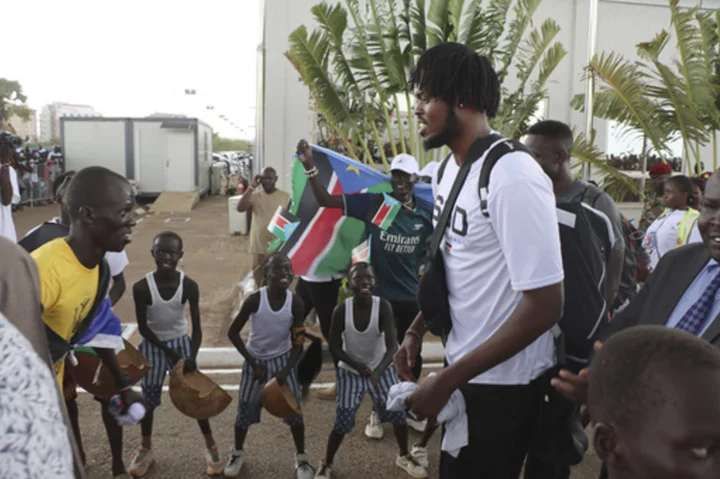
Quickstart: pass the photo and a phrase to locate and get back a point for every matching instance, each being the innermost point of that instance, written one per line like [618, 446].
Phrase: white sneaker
[420, 455]
[408, 464]
[234, 463]
[303, 469]
[416, 423]
[374, 429]
[324, 471]
[141, 463]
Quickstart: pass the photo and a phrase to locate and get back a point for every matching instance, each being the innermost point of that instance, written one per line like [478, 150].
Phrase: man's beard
[451, 130]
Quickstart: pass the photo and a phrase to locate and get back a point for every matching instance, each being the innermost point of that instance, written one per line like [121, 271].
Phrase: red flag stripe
[381, 214]
[320, 231]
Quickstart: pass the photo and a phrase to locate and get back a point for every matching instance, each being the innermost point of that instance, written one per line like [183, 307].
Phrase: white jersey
[367, 346]
[489, 262]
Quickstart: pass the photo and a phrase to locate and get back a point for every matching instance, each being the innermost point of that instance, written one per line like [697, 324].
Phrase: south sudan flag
[322, 243]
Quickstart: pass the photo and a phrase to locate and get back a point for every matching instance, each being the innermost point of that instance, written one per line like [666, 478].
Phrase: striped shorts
[152, 382]
[351, 388]
[249, 409]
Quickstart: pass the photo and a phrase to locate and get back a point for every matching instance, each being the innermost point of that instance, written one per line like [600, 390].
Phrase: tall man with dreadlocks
[504, 272]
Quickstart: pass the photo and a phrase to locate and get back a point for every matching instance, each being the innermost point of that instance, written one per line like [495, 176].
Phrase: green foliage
[662, 101]
[12, 102]
[226, 144]
[357, 62]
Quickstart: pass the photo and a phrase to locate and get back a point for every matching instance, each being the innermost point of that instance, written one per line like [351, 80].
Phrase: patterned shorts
[152, 382]
[248, 412]
[351, 389]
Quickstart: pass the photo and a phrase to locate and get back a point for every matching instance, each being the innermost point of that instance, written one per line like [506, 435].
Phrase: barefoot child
[273, 350]
[363, 338]
[160, 300]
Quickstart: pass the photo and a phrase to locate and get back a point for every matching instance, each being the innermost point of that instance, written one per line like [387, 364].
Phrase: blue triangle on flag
[354, 176]
[389, 200]
[290, 228]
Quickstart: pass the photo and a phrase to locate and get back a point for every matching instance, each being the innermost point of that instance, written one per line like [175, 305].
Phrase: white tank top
[367, 347]
[270, 331]
[166, 318]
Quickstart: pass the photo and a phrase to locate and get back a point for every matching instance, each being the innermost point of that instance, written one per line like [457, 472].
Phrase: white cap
[406, 163]
[429, 169]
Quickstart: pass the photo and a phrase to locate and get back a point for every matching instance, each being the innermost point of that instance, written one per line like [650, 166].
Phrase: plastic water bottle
[134, 414]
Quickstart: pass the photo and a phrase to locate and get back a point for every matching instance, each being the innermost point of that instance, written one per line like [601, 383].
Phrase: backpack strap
[497, 152]
[475, 152]
[441, 169]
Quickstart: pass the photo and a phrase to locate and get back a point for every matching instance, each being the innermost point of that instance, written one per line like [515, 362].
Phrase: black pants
[405, 313]
[323, 298]
[500, 424]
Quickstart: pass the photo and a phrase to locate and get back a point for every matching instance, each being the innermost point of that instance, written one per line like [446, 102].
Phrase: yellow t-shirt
[67, 290]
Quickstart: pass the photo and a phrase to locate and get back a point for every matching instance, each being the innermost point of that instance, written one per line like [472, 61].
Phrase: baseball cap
[406, 163]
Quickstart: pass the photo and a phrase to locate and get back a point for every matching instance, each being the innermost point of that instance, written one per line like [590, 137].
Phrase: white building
[284, 116]
[50, 117]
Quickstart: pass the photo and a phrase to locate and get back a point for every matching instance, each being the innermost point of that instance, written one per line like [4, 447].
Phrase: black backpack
[585, 243]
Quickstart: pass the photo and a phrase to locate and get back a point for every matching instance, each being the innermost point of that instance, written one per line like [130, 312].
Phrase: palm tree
[357, 62]
[12, 103]
[660, 102]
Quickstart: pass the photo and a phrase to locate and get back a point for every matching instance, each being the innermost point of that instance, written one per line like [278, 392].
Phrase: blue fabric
[355, 176]
[105, 322]
[699, 303]
[395, 254]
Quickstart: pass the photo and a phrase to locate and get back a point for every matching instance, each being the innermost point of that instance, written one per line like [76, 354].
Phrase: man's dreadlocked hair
[458, 74]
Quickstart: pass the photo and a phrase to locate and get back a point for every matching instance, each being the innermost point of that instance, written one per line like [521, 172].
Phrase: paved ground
[217, 261]
[178, 443]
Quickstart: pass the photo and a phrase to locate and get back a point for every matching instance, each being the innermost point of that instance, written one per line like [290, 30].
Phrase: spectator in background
[9, 189]
[654, 191]
[677, 225]
[262, 204]
[698, 189]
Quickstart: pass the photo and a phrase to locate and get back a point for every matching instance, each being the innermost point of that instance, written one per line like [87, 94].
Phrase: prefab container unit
[158, 154]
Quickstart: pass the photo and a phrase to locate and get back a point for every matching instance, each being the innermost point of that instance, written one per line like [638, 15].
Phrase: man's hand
[574, 386]
[190, 365]
[282, 377]
[404, 358]
[365, 371]
[304, 152]
[129, 397]
[175, 356]
[256, 181]
[431, 395]
[259, 373]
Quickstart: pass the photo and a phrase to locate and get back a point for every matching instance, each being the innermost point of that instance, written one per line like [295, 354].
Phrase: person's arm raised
[324, 199]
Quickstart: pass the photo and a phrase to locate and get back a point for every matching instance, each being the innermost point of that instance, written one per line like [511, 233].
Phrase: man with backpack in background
[593, 249]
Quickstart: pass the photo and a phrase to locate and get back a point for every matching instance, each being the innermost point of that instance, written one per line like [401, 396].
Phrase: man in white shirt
[9, 189]
[504, 273]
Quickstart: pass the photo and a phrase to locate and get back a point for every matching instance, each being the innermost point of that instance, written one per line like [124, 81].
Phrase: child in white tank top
[363, 338]
[273, 349]
[160, 300]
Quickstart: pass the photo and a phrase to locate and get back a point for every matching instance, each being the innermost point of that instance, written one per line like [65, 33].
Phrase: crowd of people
[532, 278]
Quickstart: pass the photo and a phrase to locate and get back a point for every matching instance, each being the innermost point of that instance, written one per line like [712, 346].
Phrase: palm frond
[524, 11]
[533, 48]
[438, 22]
[621, 97]
[493, 27]
[419, 27]
[585, 152]
[470, 31]
[691, 65]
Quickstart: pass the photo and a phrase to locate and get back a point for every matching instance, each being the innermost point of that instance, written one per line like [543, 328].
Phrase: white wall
[621, 26]
[285, 102]
[95, 143]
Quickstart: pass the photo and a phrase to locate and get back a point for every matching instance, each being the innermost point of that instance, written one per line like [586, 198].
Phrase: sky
[136, 58]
